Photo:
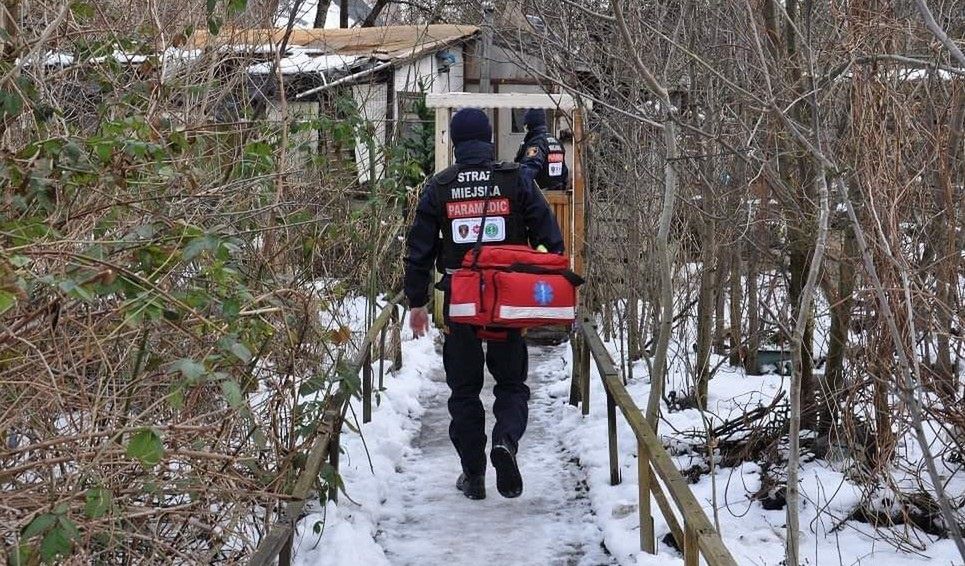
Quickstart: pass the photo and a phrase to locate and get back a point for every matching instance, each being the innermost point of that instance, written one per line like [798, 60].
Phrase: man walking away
[449, 220]
[543, 152]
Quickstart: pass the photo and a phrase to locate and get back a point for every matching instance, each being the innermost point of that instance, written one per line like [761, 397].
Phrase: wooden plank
[443, 160]
[561, 204]
[578, 206]
[564, 102]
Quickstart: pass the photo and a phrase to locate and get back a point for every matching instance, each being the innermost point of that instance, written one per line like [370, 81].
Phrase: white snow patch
[348, 536]
[302, 61]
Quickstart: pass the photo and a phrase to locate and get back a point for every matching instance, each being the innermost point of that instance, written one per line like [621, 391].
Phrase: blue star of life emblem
[542, 293]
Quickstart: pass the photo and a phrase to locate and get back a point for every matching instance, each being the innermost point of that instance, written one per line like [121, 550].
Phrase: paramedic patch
[471, 208]
[466, 230]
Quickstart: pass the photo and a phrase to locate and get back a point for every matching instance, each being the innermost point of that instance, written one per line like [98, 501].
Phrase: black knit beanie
[470, 124]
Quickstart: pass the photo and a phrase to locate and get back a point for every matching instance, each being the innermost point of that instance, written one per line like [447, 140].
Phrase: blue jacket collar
[474, 152]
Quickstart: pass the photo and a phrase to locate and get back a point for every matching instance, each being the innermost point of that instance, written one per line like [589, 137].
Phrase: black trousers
[507, 361]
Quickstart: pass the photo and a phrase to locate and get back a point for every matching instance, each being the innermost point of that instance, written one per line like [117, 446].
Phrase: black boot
[473, 487]
[509, 482]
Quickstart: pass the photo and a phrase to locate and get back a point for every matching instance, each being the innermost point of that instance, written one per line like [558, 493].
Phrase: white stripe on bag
[462, 309]
[517, 313]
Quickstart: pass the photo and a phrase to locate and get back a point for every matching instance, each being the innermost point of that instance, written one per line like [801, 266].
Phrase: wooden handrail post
[334, 453]
[367, 387]
[397, 337]
[585, 376]
[575, 378]
[611, 428]
[648, 541]
[285, 556]
[691, 545]
[382, 359]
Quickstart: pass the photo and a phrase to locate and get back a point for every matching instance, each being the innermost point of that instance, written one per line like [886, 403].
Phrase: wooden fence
[698, 535]
[325, 445]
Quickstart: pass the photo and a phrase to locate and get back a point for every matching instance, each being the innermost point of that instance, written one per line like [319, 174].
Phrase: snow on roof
[382, 43]
[303, 61]
[62, 59]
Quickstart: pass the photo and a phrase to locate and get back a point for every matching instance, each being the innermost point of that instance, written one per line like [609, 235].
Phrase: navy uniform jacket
[537, 138]
[423, 241]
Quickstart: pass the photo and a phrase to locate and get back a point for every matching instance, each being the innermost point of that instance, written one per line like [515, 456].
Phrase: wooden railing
[698, 536]
[325, 444]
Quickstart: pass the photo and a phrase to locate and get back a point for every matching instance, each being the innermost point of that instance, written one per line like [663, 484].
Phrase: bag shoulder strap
[477, 247]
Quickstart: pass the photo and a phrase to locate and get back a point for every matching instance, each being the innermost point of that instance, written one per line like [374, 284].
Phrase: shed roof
[383, 43]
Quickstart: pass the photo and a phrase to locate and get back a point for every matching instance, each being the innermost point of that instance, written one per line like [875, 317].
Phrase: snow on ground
[428, 522]
[349, 528]
[753, 535]
[402, 508]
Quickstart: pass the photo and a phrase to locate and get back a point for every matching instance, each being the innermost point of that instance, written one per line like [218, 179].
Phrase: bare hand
[419, 322]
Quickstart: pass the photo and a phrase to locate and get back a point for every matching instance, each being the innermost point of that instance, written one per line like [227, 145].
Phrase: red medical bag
[513, 286]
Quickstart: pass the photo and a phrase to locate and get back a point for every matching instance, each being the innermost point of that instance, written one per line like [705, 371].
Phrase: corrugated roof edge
[382, 43]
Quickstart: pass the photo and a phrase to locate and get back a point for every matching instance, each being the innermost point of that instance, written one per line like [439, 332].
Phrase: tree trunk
[736, 314]
[705, 309]
[800, 353]
[800, 267]
[720, 299]
[321, 12]
[946, 271]
[343, 14]
[838, 338]
[671, 154]
[753, 312]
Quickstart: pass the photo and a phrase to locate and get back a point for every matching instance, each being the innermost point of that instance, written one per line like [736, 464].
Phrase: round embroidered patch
[542, 293]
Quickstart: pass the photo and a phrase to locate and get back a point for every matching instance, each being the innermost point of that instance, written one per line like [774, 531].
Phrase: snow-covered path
[425, 520]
